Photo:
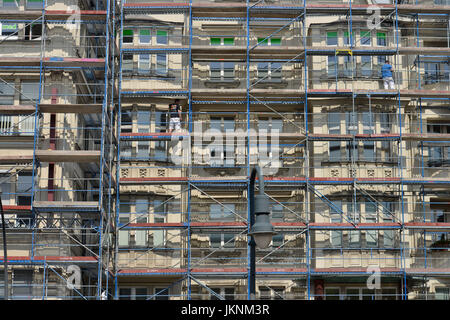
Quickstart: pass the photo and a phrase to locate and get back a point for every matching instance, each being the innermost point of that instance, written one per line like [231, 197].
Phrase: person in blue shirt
[386, 74]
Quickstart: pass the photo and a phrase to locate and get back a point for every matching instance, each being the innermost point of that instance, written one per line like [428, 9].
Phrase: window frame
[142, 37]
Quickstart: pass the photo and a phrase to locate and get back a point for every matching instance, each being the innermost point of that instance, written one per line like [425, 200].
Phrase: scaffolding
[58, 147]
[356, 172]
[356, 187]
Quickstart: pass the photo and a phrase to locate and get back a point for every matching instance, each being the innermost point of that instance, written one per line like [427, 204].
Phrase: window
[353, 215]
[160, 146]
[435, 72]
[368, 128]
[348, 66]
[123, 220]
[264, 293]
[161, 37]
[365, 38]
[366, 66]
[161, 294]
[388, 294]
[380, 63]
[332, 66]
[347, 38]
[133, 293]
[159, 216]
[125, 294]
[161, 64]
[277, 240]
[143, 123]
[127, 36]
[144, 63]
[351, 294]
[332, 294]
[381, 39]
[6, 125]
[215, 41]
[127, 63]
[359, 294]
[229, 41]
[125, 148]
[336, 217]
[5, 187]
[277, 213]
[11, 4]
[226, 293]
[29, 92]
[269, 41]
[385, 123]
[26, 125]
[219, 212]
[222, 154]
[22, 286]
[141, 293]
[334, 127]
[23, 188]
[270, 124]
[33, 31]
[222, 71]
[351, 120]
[220, 240]
[141, 238]
[368, 294]
[6, 93]
[145, 36]
[34, 4]
[371, 217]
[435, 156]
[332, 39]
[9, 31]
[388, 235]
[278, 293]
[442, 293]
[269, 71]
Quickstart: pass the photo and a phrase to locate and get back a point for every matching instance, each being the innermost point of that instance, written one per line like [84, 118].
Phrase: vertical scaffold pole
[190, 121]
[250, 244]
[305, 112]
[119, 121]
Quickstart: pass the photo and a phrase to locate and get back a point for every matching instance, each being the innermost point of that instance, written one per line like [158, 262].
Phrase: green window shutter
[128, 33]
[332, 34]
[215, 41]
[275, 41]
[228, 41]
[27, 1]
[347, 34]
[144, 32]
[265, 42]
[365, 34]
[162, 33]
[381, 35]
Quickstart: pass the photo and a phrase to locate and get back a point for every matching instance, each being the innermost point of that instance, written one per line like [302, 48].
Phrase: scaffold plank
[70, 108]
[17, 109]
[67, 156]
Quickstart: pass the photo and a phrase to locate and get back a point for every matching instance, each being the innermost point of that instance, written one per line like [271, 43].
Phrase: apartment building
[103, 202]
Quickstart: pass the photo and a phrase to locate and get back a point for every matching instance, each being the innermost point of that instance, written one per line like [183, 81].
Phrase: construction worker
[386, 74]
[174, 116]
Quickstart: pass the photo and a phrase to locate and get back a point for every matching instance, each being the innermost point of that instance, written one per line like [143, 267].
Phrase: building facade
[104, 201]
